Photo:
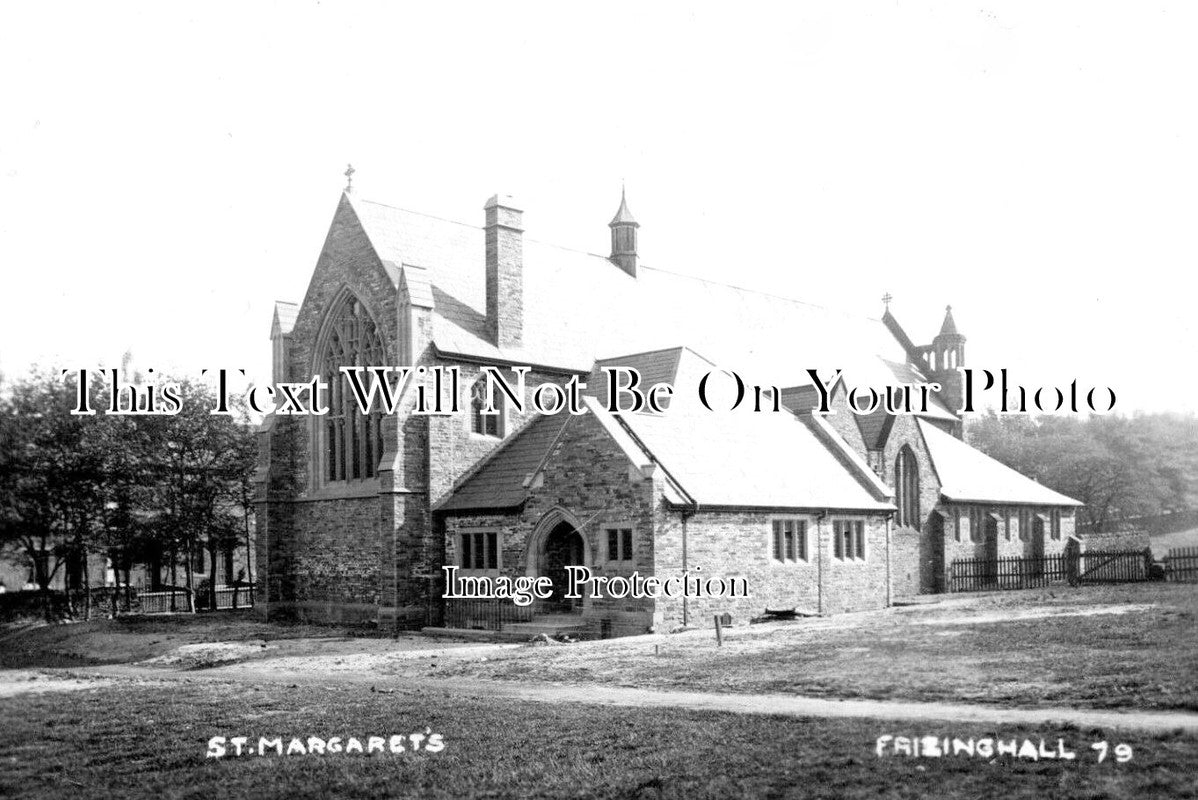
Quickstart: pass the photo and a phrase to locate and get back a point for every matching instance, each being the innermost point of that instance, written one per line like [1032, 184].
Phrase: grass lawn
[1028, 648]
[966, 649]
[135, 638]
[150, 741]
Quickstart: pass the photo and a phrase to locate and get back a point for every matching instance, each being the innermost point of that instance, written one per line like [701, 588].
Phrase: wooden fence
[162, 602]
[227, 598]
[1181, 564]
[231, 597]
[1009, 572]
[1029, 572]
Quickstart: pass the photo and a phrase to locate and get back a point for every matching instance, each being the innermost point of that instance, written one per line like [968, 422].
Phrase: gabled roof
[284, 317]
[502, 480]
[969, 475]
[748, 459]
[906, 373]
[861, 469]
[738, 459]
[655, 366]
[875, 427]
[743, 459]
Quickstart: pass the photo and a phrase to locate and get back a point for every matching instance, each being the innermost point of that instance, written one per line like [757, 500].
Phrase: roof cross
[886, 298]
[349, 177]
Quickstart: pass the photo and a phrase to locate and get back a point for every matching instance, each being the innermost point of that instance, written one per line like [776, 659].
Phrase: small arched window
[353, 441]
[906, 487]
[481, 422]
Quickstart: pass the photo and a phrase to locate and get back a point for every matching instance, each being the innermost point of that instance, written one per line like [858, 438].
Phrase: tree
[201, 460]
[51, 477]
[1117, 466]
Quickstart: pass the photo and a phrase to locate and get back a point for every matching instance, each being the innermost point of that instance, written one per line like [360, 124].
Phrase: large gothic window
[906, 487]
[353, 442]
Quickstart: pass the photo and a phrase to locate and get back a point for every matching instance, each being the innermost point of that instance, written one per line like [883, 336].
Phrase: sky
[169, 170]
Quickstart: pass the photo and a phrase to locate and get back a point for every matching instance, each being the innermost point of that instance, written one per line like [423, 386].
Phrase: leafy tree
[130, 486]
[1117, 466]
[51, 476]
[200, 460]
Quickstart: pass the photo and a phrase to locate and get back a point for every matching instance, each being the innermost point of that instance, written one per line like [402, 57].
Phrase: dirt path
[15, 682]
[768, 704]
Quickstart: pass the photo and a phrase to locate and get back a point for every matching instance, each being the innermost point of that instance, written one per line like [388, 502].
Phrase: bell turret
[623, 237]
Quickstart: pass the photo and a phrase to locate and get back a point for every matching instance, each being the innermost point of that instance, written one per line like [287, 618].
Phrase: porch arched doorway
[563, 547]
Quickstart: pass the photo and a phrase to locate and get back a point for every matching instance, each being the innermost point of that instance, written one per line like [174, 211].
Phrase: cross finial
[886, 298]
[349, 177]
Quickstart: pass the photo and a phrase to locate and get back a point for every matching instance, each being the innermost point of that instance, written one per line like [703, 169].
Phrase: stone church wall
[591, 480]
[739, 544]
[325, 542]
[914, 568]
[1128, 539]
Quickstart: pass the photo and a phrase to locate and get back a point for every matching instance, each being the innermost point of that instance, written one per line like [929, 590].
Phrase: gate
[1115, 566]
[1182, 565]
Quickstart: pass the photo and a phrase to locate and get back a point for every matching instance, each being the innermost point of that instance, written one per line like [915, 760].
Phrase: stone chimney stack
[505, 271]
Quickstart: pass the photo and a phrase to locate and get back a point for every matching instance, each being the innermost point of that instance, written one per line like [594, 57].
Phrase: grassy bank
[1015, 648]
[136, 638]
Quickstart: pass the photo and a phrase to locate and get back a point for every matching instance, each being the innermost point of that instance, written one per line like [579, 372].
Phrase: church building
[811, 512]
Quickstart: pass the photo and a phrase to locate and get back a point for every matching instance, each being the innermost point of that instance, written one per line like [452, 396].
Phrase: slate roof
[285, 316]
[579, 307]
[501, 480]
[895, 328]
[874, 427]
[968, 475]
[656, 366]
[905, 372]
[738, 459]
[750, 460]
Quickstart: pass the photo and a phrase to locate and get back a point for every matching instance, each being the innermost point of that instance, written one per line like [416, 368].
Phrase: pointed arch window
[481, 422]
[352, 441]
[906, 487]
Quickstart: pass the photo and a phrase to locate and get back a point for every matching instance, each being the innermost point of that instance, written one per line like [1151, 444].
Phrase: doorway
[1037, 565]
[563, 548]
[935, 578]
[990, 534]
